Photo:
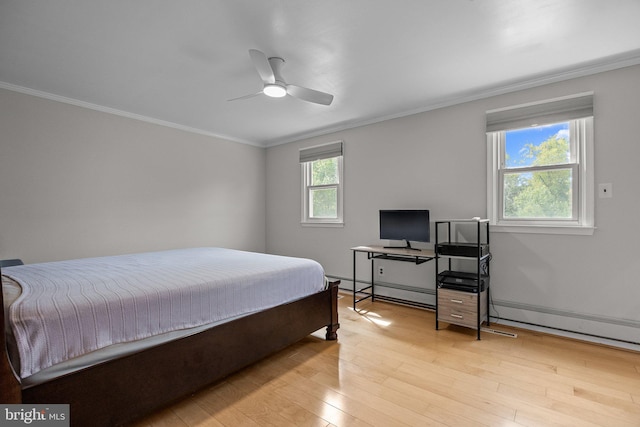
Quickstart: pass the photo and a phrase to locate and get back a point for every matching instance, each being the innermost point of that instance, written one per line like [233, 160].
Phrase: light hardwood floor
[390, 367]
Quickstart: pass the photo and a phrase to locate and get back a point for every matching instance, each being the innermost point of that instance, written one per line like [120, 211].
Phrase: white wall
[437, 160]
[76, 183]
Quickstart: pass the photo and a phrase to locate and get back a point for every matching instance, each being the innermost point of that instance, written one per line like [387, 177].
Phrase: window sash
[575, 193]
[310, 179]
[310, 194]
[574, 146]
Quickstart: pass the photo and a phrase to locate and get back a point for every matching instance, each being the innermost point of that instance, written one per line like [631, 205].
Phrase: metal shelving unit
[462, 298]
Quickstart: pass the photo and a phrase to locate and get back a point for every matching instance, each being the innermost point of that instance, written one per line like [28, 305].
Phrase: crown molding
[595, 67]
[126, 114]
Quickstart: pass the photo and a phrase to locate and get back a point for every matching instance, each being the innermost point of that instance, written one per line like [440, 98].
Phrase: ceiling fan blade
[261, 63]
[309, 95]
[251, 95]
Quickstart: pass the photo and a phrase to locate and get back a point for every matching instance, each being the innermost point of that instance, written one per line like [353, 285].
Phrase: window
[322, 182]
[540, 166]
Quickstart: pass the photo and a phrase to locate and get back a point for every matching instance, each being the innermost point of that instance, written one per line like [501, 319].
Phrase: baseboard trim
[611, 331]
[614, 332]
[581, 336]
[563, 313]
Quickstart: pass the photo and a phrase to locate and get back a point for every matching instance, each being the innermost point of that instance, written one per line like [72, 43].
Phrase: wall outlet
[380, 270]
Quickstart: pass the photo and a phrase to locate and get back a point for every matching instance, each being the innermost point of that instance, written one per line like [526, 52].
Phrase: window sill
[322, 224]
[544, 229]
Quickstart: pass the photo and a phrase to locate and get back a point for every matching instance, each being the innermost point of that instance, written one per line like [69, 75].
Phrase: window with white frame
[322, 184]
[540, 166]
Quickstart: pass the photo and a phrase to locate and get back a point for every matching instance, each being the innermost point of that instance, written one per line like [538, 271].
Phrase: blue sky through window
[516, 141]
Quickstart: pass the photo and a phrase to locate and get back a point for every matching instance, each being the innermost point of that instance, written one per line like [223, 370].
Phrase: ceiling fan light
[274, 91]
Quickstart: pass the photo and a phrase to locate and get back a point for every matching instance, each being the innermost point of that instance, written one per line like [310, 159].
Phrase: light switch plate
[605, 191]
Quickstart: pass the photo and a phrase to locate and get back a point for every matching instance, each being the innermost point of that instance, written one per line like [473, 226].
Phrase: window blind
[539, 113]
[319, 152]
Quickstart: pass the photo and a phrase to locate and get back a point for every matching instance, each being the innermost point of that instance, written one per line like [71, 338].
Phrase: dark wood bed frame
[122, 390]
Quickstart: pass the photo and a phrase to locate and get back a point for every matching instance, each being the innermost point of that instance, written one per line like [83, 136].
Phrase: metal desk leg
[354, 280]
[372, 284]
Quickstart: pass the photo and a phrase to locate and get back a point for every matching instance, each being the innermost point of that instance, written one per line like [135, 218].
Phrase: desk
[380, 252]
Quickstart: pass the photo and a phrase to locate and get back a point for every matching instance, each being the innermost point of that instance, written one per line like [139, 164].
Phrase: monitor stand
[408, 246]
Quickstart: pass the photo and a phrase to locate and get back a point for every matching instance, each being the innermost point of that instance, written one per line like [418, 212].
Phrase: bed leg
[332, 328]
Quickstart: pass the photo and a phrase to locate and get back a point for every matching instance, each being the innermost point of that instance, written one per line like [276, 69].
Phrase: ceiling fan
[276, 87]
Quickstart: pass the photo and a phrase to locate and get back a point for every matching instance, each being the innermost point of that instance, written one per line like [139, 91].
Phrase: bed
[227, 310]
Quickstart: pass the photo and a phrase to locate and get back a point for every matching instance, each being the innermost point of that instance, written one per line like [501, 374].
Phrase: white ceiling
[178, 62]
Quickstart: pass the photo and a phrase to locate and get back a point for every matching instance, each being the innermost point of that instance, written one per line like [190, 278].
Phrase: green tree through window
[538, 181]
[323, 193]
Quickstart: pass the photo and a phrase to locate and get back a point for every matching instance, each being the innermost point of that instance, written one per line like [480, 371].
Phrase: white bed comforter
[70, 308]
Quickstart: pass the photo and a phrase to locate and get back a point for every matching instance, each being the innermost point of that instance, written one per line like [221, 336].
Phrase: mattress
[72, 314]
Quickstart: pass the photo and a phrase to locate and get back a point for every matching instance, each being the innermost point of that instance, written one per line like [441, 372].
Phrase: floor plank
[390, 367]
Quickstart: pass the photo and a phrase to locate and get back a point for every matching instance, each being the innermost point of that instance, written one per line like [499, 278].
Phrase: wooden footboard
[121, 390]
[10, 391]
